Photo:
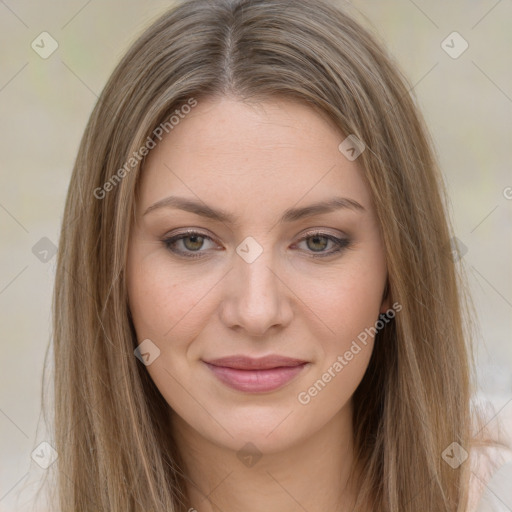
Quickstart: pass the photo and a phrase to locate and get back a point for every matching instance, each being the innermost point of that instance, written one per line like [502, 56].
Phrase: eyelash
[341, 243]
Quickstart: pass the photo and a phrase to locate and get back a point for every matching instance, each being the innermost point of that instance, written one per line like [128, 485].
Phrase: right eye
[191, 242]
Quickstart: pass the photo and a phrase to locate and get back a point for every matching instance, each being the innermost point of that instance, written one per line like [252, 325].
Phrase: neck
[312, 475]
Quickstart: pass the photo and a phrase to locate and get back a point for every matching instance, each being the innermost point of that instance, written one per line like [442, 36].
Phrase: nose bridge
[256, 278]
[256, 298]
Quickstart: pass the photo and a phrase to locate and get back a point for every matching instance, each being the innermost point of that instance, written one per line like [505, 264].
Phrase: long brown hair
[111, 434]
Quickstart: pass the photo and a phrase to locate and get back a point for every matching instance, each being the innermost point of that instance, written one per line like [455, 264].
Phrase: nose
[256, 297]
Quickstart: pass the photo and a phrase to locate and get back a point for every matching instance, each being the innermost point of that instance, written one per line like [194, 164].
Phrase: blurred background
[54, 61]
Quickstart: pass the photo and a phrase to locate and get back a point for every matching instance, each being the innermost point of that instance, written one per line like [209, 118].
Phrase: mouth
[256, 375]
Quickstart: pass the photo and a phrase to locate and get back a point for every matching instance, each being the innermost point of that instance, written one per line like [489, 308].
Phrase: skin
[256, 161]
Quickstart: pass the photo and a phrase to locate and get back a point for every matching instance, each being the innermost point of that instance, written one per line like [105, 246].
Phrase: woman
[256, 304]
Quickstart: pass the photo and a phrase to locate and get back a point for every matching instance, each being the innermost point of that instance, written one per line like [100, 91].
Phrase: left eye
[318, 242]
[193, 242]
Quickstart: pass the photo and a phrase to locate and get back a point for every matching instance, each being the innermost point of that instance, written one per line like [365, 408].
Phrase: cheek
[345, 352]
[347, 300]
[349, 307]
[163, 300]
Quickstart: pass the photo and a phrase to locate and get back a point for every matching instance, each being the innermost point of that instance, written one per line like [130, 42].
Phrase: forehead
[271, 153]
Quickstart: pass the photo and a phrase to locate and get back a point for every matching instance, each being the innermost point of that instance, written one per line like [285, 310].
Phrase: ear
[386, 299]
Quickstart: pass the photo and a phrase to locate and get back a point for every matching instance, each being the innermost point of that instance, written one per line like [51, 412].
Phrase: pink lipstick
[256, 375]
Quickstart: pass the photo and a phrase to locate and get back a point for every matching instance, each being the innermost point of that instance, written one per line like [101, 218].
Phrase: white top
[491, 467]
[491, 481]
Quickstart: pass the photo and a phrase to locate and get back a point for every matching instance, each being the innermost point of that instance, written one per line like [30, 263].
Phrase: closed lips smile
[255, 375]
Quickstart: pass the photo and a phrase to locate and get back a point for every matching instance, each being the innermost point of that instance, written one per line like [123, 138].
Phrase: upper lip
[241, 362]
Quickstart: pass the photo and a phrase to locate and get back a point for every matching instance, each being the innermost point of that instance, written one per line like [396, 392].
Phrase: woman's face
[270, 270]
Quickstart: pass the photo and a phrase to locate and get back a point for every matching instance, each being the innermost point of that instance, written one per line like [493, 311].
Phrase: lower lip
[256, 381]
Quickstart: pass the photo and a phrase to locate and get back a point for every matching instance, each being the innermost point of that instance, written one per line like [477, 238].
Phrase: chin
[269, 432]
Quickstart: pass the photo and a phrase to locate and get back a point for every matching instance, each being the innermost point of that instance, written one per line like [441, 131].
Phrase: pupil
[196, 242]
[316, 238]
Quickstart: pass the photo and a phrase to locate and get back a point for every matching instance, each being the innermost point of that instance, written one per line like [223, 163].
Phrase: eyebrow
[290, 215]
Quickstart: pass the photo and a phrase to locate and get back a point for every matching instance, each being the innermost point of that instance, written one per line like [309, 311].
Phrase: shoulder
[491, 480]
[490, 486]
